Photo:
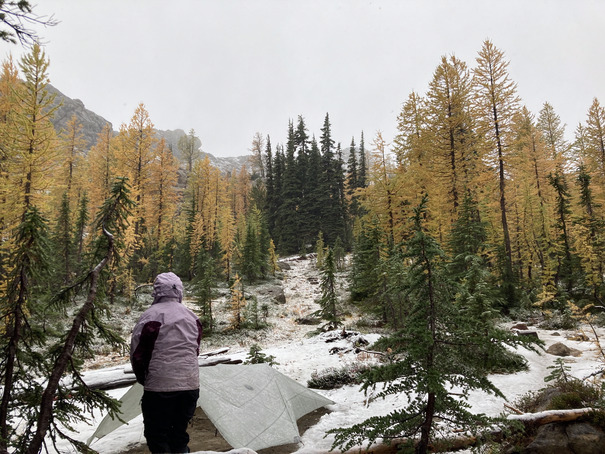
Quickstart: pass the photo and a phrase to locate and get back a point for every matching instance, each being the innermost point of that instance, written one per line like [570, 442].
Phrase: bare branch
[16, 20]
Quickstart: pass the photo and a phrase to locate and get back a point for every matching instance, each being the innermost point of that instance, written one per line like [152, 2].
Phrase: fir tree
[63, 240]
[367, 277]
[203, 283]
[275, 208]
[331, 200]
[289, 240]
[328, 301]
[363, 166]
[427, 357]
[339, 254]
[477, 297]
[20, 344]
[237, 303]
[352, 180]
[310, 208]
[272, 195]
[567, 261]
[592, 248]
[82, 218]
[254, 260]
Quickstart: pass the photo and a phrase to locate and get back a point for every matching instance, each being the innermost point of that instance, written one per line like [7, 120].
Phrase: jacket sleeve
[141, 355]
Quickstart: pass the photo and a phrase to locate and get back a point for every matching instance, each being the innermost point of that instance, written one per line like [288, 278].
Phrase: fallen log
[529, 420]
[549, 416]
[121, 376]
[215, 352]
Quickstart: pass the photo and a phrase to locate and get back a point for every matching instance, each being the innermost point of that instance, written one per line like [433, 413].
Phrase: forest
[479, 209]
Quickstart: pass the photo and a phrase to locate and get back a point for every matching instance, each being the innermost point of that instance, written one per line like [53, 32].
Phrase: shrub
[255, 356]
[334, 377]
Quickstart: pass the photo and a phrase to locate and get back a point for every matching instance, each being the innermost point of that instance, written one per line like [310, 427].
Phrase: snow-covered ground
[298, 356]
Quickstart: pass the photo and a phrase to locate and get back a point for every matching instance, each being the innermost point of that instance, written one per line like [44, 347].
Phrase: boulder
[284, 266]
[574, 438]
[560, 349]
[275, 292]
[520, 326]
[550, 439]
[528, 332]
[586, 438]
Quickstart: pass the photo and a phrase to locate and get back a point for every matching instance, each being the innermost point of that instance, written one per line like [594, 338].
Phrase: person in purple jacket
[164, 353]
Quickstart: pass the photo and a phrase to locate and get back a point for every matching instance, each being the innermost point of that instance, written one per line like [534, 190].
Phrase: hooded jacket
[166, 340]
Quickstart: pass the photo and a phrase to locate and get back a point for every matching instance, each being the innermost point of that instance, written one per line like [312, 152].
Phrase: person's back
[164, 350]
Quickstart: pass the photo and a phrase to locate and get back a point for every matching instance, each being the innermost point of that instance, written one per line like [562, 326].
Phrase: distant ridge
[93, 124]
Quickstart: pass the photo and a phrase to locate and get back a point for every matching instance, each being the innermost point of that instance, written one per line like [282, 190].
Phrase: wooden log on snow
[466, 441]
[549, 416]
[119, 377]
[215, 352]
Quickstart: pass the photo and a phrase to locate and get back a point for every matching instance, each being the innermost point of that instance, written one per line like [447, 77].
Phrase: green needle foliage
[328, 301]
[431, 357]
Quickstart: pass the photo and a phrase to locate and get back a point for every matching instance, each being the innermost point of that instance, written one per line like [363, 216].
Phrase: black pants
[165, 416]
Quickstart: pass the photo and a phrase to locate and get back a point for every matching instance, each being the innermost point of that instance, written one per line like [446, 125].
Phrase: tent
[252, 406]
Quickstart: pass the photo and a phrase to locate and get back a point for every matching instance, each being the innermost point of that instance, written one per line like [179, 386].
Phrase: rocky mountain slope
[93, 124]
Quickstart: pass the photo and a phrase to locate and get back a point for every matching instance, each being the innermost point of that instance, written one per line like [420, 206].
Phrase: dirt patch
[204, 436]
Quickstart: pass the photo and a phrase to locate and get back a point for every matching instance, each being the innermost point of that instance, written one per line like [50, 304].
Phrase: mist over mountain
[93, 124]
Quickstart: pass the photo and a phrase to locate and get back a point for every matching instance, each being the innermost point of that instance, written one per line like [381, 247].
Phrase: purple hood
[167, 285]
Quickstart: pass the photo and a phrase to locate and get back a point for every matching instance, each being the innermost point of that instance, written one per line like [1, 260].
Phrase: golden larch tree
[31, 137]
[102, 167]
[495, 104]
[163, 195]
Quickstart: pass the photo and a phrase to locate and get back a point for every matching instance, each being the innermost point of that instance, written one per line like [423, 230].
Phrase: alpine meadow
[479, 211]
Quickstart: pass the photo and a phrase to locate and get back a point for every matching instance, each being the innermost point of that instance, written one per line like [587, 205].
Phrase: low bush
[336, 377]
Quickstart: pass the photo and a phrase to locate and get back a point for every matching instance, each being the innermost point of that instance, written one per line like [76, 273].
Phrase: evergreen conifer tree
[204, 281]
[339, 254]
[330, 183]
[367, 278]
[567, 259]
[477, 297]
[328, 301]
[275, 208]
[63, 240]
[427, 353]
[272, 196]
[352, 180]
[592, 250]
[363, 164]
[20, 345]
[289, 240]
[237, 303]
[310, 209]
[82, 218]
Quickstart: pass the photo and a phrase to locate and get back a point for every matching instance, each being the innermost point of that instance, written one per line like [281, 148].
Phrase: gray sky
[230, 68]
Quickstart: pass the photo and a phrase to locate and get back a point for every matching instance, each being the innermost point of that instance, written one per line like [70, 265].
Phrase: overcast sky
[231, 68]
